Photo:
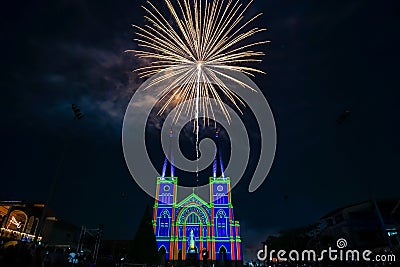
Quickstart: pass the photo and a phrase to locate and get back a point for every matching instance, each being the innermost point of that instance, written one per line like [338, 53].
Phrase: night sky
[324, 57]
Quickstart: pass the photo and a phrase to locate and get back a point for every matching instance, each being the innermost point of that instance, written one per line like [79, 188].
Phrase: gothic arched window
[220, 198]
[221, 223]
[193, 218]
[164, 223]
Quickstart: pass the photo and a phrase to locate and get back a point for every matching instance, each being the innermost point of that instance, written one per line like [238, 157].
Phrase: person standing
[204, 255]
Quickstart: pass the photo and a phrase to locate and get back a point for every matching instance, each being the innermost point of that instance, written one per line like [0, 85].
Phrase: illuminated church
[194, 224]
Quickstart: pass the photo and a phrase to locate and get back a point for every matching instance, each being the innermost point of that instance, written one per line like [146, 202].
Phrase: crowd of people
[24, 254]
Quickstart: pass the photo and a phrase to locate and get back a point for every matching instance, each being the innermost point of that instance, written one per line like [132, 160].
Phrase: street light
[78, 115]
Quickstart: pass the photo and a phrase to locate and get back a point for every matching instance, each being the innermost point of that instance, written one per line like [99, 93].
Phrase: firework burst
[193, 48]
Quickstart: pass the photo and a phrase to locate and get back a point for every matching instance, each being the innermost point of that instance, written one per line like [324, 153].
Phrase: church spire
[169, 164]
[218, 165]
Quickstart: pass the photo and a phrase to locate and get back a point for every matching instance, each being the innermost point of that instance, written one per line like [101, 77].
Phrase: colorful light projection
[17, 226]
[194, 224]
[14, 222]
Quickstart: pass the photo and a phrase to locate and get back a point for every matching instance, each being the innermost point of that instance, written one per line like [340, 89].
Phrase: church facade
[195, 224]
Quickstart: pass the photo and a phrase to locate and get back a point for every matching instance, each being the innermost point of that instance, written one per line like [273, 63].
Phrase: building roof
[383, 204]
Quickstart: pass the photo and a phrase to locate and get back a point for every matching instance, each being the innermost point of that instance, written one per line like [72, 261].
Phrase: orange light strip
[201, 237]
[171, 249]
[239, 252]
[19, 233]
[232, 251]
[155, 217]
[213, 250]
[184, 246]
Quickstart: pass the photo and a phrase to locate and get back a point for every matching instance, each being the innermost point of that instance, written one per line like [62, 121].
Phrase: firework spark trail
[194, 49]
[199, 66]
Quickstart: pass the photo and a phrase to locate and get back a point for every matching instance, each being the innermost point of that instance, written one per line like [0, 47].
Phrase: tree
[143, 248]
[295, 238]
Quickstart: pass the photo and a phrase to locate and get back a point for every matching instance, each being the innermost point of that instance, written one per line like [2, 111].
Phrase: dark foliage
[143, 248]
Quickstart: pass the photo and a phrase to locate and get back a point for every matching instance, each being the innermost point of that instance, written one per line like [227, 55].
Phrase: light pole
[78, 115]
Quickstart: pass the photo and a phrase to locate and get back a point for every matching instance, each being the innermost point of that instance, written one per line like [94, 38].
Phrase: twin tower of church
[195, 224]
